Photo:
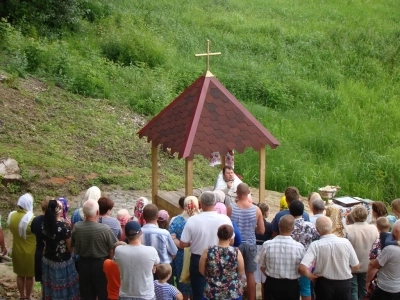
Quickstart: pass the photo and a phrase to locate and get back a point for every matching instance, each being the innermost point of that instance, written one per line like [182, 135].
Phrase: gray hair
[207, 198]
[318, 205]
[90, 208]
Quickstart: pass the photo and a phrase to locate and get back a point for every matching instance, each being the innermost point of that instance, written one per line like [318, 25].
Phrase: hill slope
[65, 142]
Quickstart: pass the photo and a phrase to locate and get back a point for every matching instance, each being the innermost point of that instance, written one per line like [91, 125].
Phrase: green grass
[322, 76]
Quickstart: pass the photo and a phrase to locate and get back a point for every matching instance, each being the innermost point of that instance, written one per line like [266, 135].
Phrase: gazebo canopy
[207, 118]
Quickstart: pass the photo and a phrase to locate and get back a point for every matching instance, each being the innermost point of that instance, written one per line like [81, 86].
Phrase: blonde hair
[383, 224]
[163, 270]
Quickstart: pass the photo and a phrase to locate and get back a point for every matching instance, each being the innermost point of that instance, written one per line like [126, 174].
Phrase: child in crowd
[349, 219]
[163, 219]
[164, 290]
[110, 269]
[260, 239]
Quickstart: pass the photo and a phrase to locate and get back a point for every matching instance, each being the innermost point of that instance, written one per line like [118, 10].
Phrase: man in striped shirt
[334, 259]
[157, 237]
[249, 220]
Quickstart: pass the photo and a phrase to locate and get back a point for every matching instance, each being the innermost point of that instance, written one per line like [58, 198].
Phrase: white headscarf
[26, 203]
[92, 193]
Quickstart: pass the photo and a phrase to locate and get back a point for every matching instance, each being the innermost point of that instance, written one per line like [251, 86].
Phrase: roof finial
[208, 54]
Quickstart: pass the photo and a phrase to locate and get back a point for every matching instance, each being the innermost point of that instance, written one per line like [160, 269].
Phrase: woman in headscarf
[138, 210]
[191, 208]
[92, 193]
[123, 217]
[59, 277]
[24, 245]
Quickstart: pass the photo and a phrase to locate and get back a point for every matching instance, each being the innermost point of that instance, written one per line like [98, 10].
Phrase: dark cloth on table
[36, 228]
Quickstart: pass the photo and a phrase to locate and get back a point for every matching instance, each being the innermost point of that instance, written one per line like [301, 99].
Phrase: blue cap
[132, 228]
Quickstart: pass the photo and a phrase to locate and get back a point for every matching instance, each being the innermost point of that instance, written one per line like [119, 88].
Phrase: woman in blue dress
[191, 207]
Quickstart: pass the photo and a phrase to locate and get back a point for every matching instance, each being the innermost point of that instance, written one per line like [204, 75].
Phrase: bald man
[335, 260]
[388, 265]
[279, 260]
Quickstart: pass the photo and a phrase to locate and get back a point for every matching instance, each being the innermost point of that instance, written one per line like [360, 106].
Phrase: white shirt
[201, 230]
[333, 257]
[221, 184]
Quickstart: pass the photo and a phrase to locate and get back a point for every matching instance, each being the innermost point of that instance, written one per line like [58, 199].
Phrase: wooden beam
[154, 172]
[262, 175]
[188, 177]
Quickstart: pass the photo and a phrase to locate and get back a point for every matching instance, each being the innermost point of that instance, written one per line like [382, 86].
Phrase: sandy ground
[122, 199]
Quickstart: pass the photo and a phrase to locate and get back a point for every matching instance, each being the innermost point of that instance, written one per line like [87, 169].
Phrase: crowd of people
[219, 247]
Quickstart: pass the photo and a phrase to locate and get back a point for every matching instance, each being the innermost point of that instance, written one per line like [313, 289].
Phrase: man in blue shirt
[291, 194]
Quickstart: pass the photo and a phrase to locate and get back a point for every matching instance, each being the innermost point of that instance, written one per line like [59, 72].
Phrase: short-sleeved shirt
[136, 268]
[389, 273]
[114, 225]
[161, 240]
[282, 213]
[111, 270]
[92, 239]
[281, 257]
[56, 245]
[304, 232]
[332, 256]
[201, 230]
[164, 291]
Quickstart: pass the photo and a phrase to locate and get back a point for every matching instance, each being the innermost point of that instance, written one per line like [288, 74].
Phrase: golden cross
[208, 54]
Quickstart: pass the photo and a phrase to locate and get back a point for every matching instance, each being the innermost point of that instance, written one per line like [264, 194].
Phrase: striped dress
[245, 219]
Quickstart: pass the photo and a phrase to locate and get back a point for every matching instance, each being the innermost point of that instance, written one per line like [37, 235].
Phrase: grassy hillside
[322, 76]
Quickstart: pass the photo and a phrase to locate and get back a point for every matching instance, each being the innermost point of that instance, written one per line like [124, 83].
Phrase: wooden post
[262, 175]
[188, 177]
[222, 161]
[154, 173]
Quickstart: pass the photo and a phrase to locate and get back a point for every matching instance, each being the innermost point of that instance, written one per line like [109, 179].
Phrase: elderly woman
[361, 235]
[123, 217]
[92, 193]
[222, 265]
[105, 207]
[138, 209]
[60, 279]
[191, 208]
[24, 244]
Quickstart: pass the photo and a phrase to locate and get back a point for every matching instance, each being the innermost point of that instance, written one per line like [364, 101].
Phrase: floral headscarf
[191, 207]
[138, 210]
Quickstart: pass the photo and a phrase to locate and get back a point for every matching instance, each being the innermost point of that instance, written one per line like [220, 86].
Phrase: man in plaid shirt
[279, 260]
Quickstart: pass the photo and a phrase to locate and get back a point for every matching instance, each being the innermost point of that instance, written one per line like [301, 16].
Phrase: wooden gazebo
[206, 118]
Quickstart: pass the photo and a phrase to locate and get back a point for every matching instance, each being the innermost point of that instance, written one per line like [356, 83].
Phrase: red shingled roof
[207, 118]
